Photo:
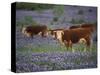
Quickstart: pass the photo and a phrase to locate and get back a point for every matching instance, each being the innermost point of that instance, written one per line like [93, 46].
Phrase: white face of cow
[57, 34]
[25, 32]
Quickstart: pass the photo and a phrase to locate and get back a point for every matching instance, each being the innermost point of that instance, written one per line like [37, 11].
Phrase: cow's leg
[68, 45]
[83, 42]
[61, 42]
[88, 43]
[43, 34]
[31, 35]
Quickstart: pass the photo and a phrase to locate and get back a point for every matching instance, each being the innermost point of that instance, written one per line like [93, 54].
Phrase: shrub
[55, 19]
[72, 21]
[33, 6]
[26, 21]
[80, 12]
[58, 11]
[90, 10]
[75, 21]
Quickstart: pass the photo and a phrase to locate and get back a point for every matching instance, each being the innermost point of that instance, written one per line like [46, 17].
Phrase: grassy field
[59, 48]
[48, 58]
[46, 54]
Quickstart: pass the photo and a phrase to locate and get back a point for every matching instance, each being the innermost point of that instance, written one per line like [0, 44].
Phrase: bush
[58, 12]
[80, 12]
[26, 21]
[90, 10]
[33, 6]
[55, 19]
[74, 21]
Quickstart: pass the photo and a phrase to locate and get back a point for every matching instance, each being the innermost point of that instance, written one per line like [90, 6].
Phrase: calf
[30, 31]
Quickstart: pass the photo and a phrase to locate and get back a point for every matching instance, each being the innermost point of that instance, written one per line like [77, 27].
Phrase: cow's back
[90, 27]
[36, 29]
[75, 34]
[74, 27]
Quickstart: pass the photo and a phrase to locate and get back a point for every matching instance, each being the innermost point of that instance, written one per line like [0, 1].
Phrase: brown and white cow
[30, 31]
[90, 27]
[73, 36]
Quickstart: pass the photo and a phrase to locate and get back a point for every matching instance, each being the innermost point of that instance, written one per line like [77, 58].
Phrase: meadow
[46, 54]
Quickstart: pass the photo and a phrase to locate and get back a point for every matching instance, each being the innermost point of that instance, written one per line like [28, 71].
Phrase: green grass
[42, 49]
[51, 48]
[33, 6]
[26, 53]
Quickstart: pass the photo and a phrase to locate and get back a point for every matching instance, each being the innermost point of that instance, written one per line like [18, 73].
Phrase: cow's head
[25, 32]
[56, 34]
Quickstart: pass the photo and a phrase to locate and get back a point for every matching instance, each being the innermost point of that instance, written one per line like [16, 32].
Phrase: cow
[57, 35]
[90, 27]
[30, 31]
[72, 36]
